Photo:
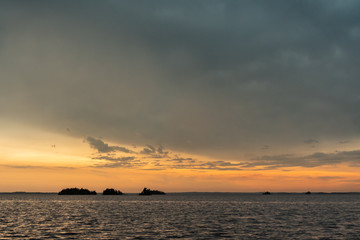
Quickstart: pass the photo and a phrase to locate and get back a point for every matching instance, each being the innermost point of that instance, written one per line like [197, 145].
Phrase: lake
[180, 215]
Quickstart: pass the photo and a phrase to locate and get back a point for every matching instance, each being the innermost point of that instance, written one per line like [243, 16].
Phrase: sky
[219, 96]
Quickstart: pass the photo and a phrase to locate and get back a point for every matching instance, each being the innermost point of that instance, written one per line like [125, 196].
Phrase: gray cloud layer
[275, 161]
[168, 160]
[312, 160]
[218, 78]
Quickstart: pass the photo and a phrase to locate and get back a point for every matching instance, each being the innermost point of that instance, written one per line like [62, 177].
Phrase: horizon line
[278, 192]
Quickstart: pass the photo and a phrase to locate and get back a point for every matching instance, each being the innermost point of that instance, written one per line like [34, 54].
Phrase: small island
[147, 191]
[266, 193]
[111, 191]
[308, 192]
[76, 191]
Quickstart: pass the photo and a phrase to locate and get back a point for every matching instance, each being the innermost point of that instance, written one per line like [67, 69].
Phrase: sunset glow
[184, 98]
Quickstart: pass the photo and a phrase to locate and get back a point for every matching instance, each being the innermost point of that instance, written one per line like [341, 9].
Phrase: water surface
[185, 216]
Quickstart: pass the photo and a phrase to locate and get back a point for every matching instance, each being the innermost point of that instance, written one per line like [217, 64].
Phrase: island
[76, 191]
[308, 192]
[266, 193]
[111, 191]
[147, 191]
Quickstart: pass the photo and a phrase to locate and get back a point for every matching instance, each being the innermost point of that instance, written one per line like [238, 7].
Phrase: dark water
[185, 216]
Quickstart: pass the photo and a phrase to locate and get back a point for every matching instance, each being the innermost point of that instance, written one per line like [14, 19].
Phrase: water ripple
[185, 216]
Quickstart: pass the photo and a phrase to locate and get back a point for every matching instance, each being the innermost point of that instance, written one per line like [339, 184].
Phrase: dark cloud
[35, 167]
[189, 163]
[110, 155]
[330, 177]
[102, 147]
[148, 150]
[160, 150]
[124, 164]
[115, 159]
[155, 152]
[181, 160]
[112, 161]
[218, 78]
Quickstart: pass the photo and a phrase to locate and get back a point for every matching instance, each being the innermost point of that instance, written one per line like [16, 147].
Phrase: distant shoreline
[273, 193]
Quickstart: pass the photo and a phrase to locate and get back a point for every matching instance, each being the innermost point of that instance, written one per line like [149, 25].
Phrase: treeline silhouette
[147, 191]
[76, 191]
[108, 191]
[111, 191]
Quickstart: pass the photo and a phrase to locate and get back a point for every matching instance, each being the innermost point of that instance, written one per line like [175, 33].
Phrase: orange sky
[35, 160]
